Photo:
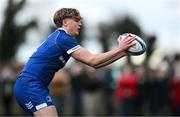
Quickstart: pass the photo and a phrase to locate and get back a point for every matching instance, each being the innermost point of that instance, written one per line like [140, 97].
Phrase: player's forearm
[109, 61]
[106, 58]
[95, 60]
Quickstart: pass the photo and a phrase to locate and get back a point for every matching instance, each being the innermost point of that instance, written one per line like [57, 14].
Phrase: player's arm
[103, 59]
[110, 60]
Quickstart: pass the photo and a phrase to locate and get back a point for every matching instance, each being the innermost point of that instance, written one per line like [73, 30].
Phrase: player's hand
[126, 41]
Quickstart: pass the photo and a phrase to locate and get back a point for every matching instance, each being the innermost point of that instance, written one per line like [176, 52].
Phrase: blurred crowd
[127, 90]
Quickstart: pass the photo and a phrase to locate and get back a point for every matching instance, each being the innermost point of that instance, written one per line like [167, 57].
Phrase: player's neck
[68, 31]
[64, 30]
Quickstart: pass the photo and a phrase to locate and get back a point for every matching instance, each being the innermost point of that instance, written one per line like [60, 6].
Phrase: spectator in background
[175, 87]
[92, 96]
[58, 88]
[126, 92]
[142, 91]
[8, 77]
[78, 75]
[108, 90]
[159, 90]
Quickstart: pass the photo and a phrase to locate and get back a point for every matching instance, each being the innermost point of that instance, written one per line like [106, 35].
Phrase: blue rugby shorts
[31, 94]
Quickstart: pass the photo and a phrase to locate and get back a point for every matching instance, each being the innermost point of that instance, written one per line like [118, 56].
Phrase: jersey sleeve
[69, 44]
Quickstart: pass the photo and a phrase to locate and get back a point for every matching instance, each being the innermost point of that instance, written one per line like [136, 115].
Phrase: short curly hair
[63, 13]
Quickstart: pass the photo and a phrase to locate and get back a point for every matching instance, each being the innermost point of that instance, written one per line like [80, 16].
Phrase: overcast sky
[159, 17]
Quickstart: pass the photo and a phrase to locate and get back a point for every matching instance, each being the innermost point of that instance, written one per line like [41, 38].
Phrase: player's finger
[131, 39]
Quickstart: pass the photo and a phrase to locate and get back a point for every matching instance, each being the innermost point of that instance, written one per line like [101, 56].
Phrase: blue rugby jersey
[51, 56]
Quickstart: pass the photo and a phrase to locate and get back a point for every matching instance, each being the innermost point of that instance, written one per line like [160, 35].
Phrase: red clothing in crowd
[175, 91]
[126, 87]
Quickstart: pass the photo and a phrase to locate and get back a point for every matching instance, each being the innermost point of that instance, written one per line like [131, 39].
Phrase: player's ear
[65, 22]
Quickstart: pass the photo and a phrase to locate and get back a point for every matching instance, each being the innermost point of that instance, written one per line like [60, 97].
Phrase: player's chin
[77, 33]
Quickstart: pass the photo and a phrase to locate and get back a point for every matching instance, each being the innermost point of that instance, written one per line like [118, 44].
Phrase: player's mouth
[79, 28]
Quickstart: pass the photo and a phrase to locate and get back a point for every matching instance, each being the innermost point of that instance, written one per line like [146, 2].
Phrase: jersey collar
[64, 30]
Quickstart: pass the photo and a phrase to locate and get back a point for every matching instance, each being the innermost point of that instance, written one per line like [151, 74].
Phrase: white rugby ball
[138, 48]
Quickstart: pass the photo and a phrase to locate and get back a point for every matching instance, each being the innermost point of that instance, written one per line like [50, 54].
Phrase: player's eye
[76, 20]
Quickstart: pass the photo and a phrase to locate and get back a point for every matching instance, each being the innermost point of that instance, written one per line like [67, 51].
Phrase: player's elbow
[92, 64]
[95, 66]
[91, 61]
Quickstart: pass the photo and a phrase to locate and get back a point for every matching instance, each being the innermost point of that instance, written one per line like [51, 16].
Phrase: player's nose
[79, 23]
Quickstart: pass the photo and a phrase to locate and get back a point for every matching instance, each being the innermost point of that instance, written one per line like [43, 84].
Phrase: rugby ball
[138, 48]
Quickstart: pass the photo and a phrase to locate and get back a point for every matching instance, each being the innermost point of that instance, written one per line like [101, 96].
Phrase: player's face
[73, 26]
